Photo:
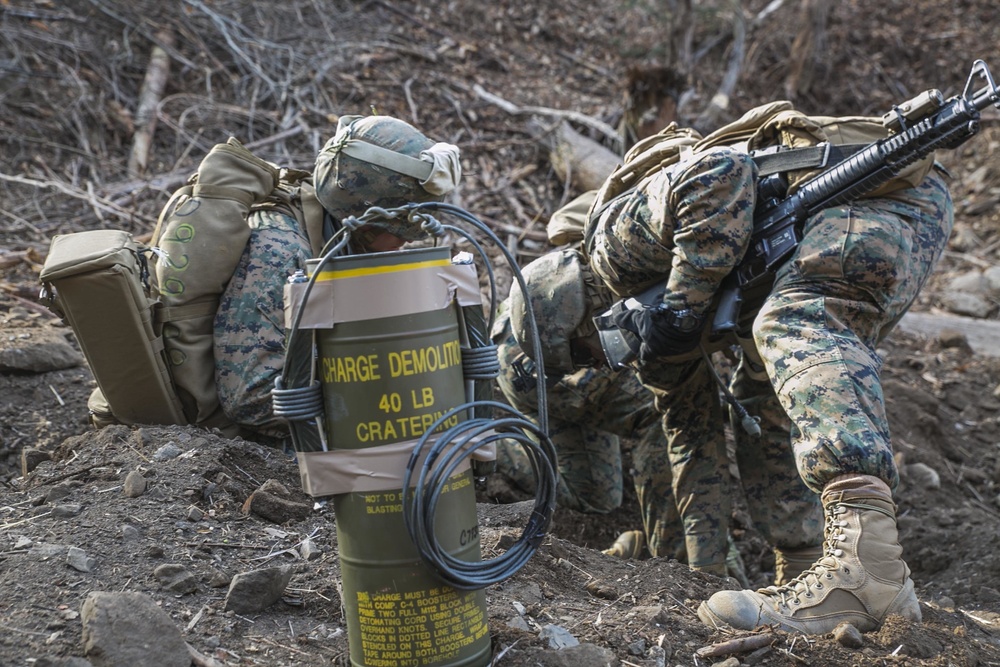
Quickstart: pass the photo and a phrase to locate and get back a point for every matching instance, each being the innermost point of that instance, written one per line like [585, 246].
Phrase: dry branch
[738, 645]
[97, 202]
[141, 29]
[576, 159]
[575, 116]
[808, 42]
[709, 118]
[149, 99]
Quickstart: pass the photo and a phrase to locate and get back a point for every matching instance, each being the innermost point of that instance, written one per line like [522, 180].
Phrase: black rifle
[924, 124]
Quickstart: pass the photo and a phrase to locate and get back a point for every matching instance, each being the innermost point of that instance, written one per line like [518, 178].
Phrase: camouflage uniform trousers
[588, 411]
[249, 335]
[853, 276]
[690, 224]
[786, 513]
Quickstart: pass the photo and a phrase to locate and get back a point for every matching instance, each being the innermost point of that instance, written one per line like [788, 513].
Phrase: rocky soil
[161, 545]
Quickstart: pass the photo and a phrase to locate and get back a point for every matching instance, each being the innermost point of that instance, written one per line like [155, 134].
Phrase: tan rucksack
[98, 282]
[144, 315]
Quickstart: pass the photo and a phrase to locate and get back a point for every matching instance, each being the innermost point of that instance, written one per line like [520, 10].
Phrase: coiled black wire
[443, 458]
[297, 403]
[481, 363]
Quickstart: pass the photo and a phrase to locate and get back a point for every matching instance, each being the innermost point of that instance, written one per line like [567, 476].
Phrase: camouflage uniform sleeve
[712, 201]
[689, 224]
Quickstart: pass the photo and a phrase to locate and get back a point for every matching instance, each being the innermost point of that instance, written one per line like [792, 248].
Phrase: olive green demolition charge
[390, 366]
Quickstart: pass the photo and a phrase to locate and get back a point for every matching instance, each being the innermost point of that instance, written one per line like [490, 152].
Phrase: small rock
[953, 339]
[134, 484]
[970, 282]
[23, 542]
[130, 533]
[57, 492]
[309, 551]
[964, 239]
[66, 510]
[130, 629]
[966, 304]
[599, 589]
[218, 578]
[176, 578]
[651, 614]
[848, 636]
[272, 501]
[195, 514]
[250, 592]
[557, 636]
[757, 656]
[42, 352]
[31, 458]
[78, 559]
[44, 551]
[581, 655]
[517, 623]
[922, 475]
[728, 662]
[167, 452]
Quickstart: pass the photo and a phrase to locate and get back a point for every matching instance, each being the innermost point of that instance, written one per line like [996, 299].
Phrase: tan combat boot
[628, 545]
[790, 563]
[861, 578]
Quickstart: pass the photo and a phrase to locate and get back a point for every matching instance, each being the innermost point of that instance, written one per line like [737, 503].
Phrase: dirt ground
[277, 75]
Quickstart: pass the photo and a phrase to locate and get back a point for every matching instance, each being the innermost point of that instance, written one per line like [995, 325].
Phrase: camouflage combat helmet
[386, 162]
[564, 296]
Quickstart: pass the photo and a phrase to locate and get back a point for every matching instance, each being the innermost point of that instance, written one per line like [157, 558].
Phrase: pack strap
[243, 197]
[166, 314]
[810, 157]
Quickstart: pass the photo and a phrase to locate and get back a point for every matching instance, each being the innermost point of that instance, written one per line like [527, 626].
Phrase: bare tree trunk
[719, 104]
[682, 23]
[650, 101]
[809, 42]
[149, 99]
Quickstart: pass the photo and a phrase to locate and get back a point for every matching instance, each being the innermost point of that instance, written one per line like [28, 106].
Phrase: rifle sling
[811, 157]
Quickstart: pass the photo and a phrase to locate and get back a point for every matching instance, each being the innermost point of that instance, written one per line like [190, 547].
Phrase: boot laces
[811, 579]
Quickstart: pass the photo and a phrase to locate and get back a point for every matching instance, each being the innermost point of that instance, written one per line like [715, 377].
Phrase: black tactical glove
[664, 332]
